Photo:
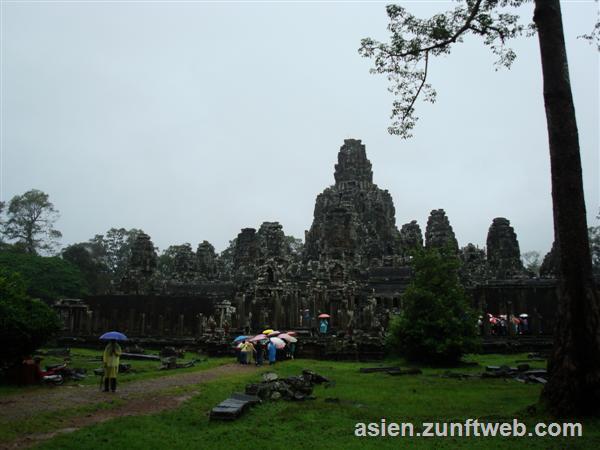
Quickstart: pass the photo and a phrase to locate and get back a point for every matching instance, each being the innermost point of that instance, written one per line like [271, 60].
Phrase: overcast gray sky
[192, 120]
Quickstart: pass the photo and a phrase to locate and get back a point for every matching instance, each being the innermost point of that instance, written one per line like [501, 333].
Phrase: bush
[437, 324]
[25, 323]
[46, 278]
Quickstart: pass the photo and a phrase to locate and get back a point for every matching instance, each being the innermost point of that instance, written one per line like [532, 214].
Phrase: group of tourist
[499, 325]
[247, 351]
[265, 347]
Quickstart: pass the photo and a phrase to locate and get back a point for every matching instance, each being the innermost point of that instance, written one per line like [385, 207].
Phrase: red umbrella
[324, 316]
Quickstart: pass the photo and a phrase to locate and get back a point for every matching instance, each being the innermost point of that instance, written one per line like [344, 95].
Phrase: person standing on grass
[110, 361]
[249, 349]
[291, 350]
[272, 350]
[260, 353]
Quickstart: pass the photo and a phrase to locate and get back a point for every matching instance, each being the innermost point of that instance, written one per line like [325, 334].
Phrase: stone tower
[354, 220]
[271, 240]
[439, 233]
[503, 254]
[207, 260]
[411, 237]
[141, 267]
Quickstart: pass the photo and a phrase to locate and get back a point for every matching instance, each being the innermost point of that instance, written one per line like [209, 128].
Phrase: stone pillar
[89, 322]
[143, 324]
[131, 321]
[161, 324]
[510, 329]
[276, 310]
[181, 325]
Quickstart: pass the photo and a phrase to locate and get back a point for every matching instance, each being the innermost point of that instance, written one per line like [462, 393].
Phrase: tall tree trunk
[574, 366]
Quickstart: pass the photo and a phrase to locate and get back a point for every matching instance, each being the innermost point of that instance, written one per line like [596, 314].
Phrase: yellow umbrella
[269, 331]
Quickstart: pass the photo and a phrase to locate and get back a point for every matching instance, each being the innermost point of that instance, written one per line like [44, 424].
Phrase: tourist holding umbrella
[272, 351]
[324, 323]
[291, 344]
[260, 352]
[111, 357]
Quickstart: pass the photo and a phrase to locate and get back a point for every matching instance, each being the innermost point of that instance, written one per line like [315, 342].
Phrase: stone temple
[354, 266]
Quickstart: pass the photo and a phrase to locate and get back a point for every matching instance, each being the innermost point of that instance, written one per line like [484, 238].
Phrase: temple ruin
[354, 265]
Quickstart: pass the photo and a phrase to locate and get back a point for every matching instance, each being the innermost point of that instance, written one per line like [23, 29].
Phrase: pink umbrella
[287, 337]
[323, 316]
[258, 337]
[274, 333]
[291, 333]
[278, 343]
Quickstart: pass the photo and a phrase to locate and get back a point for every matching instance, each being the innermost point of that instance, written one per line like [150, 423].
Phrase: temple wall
[535, 297]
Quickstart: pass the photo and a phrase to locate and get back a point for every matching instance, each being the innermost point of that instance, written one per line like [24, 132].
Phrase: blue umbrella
[113, 335]
[240, 338]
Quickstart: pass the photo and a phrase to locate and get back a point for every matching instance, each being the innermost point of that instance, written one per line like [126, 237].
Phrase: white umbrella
[287, 337]
[278, 343]
[524, 316]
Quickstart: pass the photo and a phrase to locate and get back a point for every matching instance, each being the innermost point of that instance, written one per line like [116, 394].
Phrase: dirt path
[141, 397]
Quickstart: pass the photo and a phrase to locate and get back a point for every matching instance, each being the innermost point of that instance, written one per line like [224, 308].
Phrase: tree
[574, 366]
[225, 262]
[436, 324]
[88, 258]
[594, 236]
[296, 247]
[31, 219]
[47, 278]
[114, 249]
[531, 261]
[2, 206]
[25, 324]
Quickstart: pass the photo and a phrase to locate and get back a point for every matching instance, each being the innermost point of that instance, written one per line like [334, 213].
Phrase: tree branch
[412, 103]
[451, 40]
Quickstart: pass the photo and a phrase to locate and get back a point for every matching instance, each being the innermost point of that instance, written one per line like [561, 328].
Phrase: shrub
[25, 323]
[437, 324]
[48, 278]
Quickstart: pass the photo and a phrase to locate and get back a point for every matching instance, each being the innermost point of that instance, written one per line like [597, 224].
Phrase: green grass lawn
[329, 421]
[140, 370]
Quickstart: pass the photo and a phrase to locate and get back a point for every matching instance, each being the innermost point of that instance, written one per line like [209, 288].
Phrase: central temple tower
[354, 220]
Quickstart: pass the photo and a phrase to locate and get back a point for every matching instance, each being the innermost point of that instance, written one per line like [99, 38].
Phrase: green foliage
[404, 60]
[48, 278]
[114, 249]
[30, 221]
[225, 261]
[532, 262]
[25, 323]
[436, 324]
[88, 258]
[295, 245]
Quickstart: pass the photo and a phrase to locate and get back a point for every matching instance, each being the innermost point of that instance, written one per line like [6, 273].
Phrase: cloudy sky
[192, 120]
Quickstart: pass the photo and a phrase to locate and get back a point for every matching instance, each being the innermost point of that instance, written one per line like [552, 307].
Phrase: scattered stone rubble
[392, 370]
[272, 387]
[291, 388]
[522, 373]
